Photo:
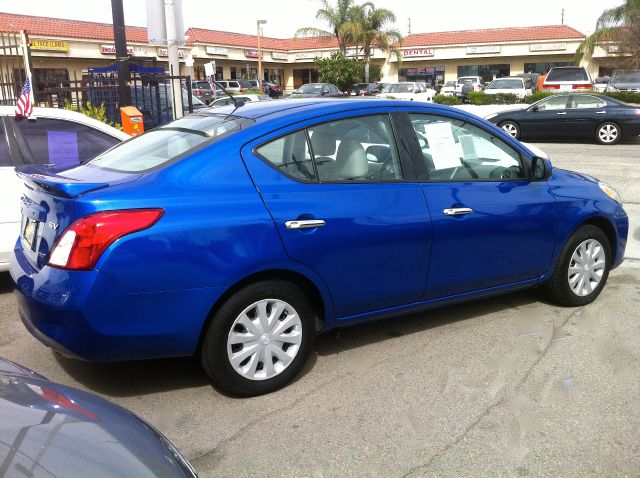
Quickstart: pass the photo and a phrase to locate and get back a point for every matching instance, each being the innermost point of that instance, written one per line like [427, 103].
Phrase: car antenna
[236, 103]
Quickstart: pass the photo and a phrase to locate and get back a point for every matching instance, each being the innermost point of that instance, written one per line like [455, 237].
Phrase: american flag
[24, 107]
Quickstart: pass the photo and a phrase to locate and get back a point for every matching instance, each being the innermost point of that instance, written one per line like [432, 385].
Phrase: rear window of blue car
[161, 146]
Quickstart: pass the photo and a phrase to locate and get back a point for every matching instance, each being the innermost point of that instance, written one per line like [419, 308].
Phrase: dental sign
[415, 53]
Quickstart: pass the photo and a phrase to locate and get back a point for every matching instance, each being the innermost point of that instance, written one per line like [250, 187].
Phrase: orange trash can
[132, 121]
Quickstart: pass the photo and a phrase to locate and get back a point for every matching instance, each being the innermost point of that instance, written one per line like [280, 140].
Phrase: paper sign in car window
[442, 147]
[468, 144]
[63, 148]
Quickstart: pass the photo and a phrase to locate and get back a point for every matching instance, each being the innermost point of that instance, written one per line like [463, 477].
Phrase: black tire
[557, 288]
[603, 138]
[213, 353]
[512, 124]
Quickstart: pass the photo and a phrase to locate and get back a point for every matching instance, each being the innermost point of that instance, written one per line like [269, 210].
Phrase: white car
[224, 101]
[509, 84]
[410, 91]
[56, 136]
[449, 88]
[567, 78]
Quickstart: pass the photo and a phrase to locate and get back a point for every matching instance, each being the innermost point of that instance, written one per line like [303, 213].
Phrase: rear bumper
[83, 314]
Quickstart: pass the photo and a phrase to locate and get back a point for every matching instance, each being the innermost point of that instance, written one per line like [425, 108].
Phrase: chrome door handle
[561, 113]
[457, 211]
[304, 224]
[600, 112]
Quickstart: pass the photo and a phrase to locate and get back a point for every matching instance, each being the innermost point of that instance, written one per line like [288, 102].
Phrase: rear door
[492, 225]
[342, 199]
[584, 113]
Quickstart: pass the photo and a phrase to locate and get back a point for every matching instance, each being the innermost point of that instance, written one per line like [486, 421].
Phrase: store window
[544, 67]
[304, 76]
[487, 72]
[273, 75]
[198, 73]
[430, 76]
[244, 72]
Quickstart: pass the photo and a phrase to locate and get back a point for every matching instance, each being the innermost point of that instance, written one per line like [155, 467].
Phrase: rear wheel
[582, 269]
[259, 339]
[510, 128]
[608, 133]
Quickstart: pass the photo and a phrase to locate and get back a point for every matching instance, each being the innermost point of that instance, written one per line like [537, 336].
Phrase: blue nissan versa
[239, 233]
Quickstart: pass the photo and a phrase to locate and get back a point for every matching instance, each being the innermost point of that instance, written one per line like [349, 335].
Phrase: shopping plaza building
[63, 50]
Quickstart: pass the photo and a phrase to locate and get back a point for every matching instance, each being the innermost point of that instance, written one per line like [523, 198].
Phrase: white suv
[567, 78]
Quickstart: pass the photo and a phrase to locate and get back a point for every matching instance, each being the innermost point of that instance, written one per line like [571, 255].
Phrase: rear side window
[160, 146]
[290, 155]
[60, 142]
[586, 101]
[568, 74]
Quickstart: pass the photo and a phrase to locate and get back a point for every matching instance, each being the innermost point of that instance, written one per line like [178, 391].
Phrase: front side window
[161, 145]
[61, 142]
[553, 103]
[455, 150]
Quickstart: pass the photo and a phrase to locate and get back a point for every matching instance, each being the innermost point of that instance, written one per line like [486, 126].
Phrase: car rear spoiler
[44, 178]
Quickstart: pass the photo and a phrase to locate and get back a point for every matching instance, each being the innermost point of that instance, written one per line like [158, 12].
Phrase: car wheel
[510, 128]
[582, 269]
[608, 133]
[259, 339]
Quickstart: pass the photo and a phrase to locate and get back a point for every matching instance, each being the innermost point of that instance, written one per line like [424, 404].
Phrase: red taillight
[241, 90]
[82, 244]
[550, 87]
[581, 87]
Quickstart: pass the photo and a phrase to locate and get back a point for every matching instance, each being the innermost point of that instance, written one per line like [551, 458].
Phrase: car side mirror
[540, 168]
[533, 108]
[324, 93]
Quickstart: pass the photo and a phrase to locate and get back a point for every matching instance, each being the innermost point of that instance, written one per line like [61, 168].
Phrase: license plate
[566, 87]
[29, 233]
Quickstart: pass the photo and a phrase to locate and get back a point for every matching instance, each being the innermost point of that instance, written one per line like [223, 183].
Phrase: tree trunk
[366, 68]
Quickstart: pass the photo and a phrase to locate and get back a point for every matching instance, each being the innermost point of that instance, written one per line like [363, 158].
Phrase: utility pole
[122, 57]
[258, 23]
[562, 19]
[409, 25]
[174, 61]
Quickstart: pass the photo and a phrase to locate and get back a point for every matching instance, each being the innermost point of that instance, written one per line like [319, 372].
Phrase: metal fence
[151, 93]
[12, 66]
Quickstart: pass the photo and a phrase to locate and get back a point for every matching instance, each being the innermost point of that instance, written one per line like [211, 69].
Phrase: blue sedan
[238, 234]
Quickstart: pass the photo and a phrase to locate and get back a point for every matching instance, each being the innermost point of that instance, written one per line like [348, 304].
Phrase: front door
[339, 200]
[492, 225]
[547, 120]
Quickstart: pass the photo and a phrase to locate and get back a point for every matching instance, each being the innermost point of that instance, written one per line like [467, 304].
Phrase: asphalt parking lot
[510, 386]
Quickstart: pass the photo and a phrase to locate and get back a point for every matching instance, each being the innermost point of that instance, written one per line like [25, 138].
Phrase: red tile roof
[58, 27]
[493, 35]
[215, 37]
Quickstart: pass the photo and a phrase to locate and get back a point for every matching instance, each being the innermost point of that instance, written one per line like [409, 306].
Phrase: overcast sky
[284, 17]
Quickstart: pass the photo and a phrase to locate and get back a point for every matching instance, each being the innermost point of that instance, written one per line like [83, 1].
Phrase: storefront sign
[252, 53]
[111, 50]
[279, 56]
[217, 50]
[306, 56]
[49, 45]
[474, 50]
[163, 53]
[414, 53]
[547, 46]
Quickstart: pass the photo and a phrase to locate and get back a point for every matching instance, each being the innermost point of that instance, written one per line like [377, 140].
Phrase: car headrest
[323, 144]
[351, 159]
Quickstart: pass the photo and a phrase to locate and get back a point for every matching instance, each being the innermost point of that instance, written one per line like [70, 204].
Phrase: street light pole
[258, 23]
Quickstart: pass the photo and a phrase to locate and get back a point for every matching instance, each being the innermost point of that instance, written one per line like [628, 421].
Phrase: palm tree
[616, 30]
[336, 17]
[366, 30]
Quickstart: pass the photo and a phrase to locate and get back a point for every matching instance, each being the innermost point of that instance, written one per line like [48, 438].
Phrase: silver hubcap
[264, 339]
[608, 133]
[586, 267]
[511, 129]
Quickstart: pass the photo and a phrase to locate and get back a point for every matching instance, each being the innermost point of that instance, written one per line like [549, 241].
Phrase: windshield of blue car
[505, 85]
[628, 77]
[160, 146]
[399, 88]
[568, 74]
[310, 88]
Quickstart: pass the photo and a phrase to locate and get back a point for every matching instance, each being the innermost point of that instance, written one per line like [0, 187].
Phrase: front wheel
[259, 339]
[608, 133]
[582, 269]
[511, 129]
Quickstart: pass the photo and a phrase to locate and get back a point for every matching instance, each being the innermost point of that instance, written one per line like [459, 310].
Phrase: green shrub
[339, 70]
[447, 100]
[625, 96]
[537, 96]
[481, 98]
[95, 112]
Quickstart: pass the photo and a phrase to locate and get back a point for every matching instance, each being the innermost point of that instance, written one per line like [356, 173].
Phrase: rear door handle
[457, 211]
[304, 224]
[561, 113]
